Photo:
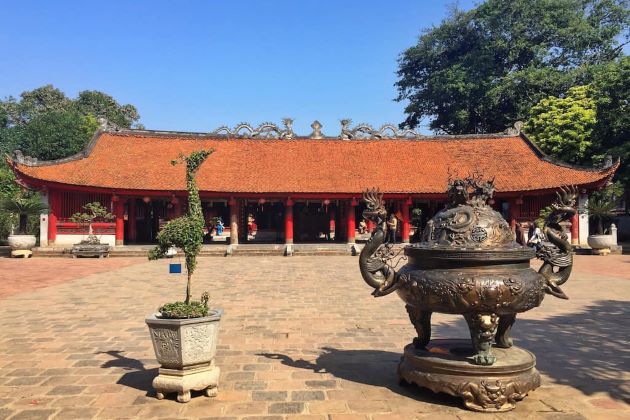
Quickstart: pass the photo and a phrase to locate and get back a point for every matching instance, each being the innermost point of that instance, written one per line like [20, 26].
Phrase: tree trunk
[188, 289]
[600, 226]
[22, 224]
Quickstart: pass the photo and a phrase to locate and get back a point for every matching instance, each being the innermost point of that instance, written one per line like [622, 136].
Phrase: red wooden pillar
[351, 221]
[54, 203]
[514, 213]
[119, 213]
[575, 229]
[405, 220]
[288, 221]
[131, 220]
[234, 209]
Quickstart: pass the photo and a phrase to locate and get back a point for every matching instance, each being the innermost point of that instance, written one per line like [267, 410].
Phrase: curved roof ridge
[138, 160]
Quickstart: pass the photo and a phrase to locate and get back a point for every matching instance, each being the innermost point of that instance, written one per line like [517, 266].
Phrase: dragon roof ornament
[268, 130]
[265, 130]
[386, 131]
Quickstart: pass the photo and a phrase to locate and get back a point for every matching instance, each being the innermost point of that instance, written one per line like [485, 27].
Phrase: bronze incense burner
[469, 263]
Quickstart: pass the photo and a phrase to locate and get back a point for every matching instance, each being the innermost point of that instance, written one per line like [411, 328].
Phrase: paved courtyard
[301, 338]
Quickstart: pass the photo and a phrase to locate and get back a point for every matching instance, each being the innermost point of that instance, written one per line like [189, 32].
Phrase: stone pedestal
[447, 366]
[183, 381]
[22, 253]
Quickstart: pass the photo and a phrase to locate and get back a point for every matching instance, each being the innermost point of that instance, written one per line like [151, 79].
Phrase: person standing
[392, 225]
[536, 236]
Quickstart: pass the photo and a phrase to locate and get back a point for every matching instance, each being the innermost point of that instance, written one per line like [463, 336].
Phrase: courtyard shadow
[369, 367]
[587, 350]
[138, 377]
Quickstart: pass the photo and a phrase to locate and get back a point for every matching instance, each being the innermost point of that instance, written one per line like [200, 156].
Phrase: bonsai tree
[23, 206]
[185, 232]
[93, 211]
[602, 205]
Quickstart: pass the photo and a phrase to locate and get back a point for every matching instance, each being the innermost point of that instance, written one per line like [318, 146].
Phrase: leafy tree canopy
[562, 126]
[611, 134]
[481, 70]
[46, 124]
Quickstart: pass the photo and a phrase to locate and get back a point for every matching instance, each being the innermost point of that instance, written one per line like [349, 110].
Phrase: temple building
[293, 189]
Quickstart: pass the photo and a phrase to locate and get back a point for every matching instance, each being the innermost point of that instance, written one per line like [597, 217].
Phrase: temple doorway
[263, 222]
[316, 222]
[215, 212]
[150, 218]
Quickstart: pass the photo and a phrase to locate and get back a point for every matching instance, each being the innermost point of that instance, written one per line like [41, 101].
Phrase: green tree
[94, 211]
[23, 206]
[55, 134]
[101, 105]
[481, 70]
[602, 205]
[611, 135]
[46, 124]
[562, 126]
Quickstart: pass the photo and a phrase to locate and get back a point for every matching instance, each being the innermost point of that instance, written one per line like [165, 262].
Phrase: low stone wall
[66, 239]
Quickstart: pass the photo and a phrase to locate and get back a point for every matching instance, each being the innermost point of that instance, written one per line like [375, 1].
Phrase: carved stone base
[447, 366]
[21, 253]
[183, 381]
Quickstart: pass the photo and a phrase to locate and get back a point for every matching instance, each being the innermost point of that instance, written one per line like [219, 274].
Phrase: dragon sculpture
[556, 253]
[375, 255]
[366, 131]
[264, 130]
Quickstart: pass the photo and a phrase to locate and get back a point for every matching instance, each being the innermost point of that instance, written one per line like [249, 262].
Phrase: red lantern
[146, 199]
[519, 201]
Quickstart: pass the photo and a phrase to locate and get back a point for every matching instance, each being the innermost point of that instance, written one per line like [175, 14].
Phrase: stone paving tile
[35, 273]
[301, 338]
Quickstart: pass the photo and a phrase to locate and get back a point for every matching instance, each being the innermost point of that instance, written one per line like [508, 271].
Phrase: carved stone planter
[21, 242]
[185, 349]
[602, 244]
[90, 250]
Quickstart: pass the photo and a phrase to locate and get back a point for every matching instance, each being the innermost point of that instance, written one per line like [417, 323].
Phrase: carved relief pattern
[489, 395]
[199, 342]
[497, 292]
[166, 344]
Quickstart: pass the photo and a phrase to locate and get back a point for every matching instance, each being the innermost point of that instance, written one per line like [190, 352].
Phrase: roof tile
[129, 160]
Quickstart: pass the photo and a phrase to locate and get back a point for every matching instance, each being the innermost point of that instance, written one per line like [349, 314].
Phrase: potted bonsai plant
[601, 208]
[184, 334]
[23, 206]
[91, 246]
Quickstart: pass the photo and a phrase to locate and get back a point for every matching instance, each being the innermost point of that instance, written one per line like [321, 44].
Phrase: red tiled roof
[141, 160]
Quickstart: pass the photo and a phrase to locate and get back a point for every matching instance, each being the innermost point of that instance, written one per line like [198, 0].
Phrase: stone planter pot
[601, 243]
[90, 250]
[21, 242]
[185, 349]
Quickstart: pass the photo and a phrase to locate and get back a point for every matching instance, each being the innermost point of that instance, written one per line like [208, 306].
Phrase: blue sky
[196, 65]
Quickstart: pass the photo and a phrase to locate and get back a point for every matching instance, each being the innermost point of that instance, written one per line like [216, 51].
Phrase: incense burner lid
[468, 228]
